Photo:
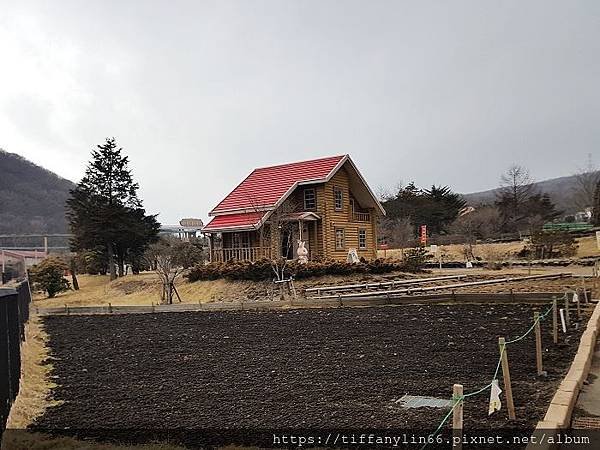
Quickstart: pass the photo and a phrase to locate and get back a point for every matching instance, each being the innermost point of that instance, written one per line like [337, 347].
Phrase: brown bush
[262, 270]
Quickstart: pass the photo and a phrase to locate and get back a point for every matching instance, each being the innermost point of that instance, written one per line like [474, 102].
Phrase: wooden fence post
[538, 343]
[585, 296]
[567, 315]
[506, 377]
[555, 320]
[457, 416]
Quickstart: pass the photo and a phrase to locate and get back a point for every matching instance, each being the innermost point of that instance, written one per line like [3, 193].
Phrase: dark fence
[14, 313]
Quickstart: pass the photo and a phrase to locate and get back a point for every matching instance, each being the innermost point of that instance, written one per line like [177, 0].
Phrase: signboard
[191, 223]
[423, 235]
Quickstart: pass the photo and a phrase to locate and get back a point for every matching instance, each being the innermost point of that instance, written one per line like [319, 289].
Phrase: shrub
[552, 244]
[48, 276]
[262, 270]
[415, 259]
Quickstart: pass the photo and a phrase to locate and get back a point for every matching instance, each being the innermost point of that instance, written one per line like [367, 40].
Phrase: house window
[310, 199]
[339, 239]
[362, 238]
[240, 240]
[338, 195]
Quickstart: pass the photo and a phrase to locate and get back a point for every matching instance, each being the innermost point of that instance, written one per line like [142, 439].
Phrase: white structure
[186, 229]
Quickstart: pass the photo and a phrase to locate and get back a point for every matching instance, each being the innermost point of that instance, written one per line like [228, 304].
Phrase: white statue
[302, 252]
[352, 256]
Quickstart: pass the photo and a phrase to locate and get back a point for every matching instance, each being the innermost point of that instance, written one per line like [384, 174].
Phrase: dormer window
[310, 198]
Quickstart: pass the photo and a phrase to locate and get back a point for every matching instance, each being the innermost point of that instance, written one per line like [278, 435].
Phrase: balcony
[361, 217]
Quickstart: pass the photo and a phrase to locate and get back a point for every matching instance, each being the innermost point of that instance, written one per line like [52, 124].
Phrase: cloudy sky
[200, 92]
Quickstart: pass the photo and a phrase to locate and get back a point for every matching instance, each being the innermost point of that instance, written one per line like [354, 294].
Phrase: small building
[186, 230]
[326, 203]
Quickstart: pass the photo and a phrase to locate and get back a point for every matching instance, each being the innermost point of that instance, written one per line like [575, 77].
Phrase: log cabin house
[324, 202]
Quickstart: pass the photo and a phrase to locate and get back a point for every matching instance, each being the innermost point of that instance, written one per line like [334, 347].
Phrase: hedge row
[262, 270]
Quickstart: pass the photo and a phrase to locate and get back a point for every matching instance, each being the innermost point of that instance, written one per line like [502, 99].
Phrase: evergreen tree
[105, 211]
[437, 207]
[596, 206]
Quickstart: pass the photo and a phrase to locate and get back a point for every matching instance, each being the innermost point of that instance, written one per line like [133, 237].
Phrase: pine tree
[105, 211]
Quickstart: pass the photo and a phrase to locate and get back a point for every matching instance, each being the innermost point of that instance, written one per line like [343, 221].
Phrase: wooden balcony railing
[361, 217]
[240, 254]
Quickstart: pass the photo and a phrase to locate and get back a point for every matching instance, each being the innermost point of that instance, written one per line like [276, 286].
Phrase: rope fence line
[458, 400]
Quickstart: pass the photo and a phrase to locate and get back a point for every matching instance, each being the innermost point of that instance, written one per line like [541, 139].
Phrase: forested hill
[561, 191]
[32, 199]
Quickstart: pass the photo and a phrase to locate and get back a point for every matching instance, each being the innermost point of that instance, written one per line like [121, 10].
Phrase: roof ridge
[299, 162]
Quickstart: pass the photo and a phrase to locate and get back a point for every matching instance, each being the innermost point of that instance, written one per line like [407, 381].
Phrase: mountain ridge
[32, 198]
[560, 189]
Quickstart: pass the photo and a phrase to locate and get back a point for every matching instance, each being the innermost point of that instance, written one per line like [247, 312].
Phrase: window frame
[335, 199]
[362, 231]
[314, 198]
[343, 242]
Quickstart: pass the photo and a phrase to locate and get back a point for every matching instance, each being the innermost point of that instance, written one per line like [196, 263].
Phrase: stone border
[558, 415]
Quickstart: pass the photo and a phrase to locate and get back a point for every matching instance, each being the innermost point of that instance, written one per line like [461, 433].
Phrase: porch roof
[304, 215]
[235, 222]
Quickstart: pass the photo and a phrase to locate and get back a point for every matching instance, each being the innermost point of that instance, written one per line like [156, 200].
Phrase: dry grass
[587, 247]
[35, 389]
[145, 289]
[504, 250]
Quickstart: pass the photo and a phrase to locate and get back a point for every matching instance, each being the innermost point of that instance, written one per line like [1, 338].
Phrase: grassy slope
[587, 247]
[144, 289]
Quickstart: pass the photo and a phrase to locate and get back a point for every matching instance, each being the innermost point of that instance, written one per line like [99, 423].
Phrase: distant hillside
[32, 199]
[560, 190]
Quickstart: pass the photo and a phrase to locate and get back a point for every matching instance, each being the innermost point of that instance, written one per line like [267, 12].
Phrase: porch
[240, 254]
[268, 241]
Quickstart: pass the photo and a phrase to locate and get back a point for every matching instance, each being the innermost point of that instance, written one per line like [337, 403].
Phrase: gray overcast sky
[200, 92]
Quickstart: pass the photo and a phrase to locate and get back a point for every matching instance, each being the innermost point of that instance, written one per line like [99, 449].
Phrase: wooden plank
[448, 286]
[457, 416]
[506, 377]
[538, 343]
[384, 283]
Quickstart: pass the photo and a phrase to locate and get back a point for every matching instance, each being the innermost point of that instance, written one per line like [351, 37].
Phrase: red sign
[383, 246]
[423, 235]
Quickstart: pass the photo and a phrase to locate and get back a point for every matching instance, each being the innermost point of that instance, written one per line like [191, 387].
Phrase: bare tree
[398, 232]
[516, 189]
[165, 257]
[517, 184]
[586, 180]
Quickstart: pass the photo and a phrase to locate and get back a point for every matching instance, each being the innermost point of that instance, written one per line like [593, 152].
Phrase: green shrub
[48, 276]
[415, 259]
[262, 270]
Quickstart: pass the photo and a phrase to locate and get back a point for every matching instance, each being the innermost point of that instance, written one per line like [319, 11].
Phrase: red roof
[265, 186]
[241, 221]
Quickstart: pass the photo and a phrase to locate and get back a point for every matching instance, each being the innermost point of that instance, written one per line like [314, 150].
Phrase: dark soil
[336, 368]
